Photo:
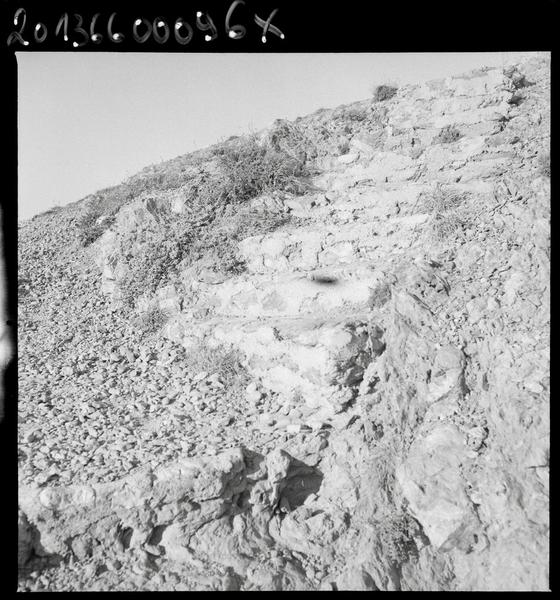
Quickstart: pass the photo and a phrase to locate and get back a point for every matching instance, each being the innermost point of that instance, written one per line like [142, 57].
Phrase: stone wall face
[396, 334]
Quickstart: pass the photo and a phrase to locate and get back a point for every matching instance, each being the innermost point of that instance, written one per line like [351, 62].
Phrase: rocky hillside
[314, 358]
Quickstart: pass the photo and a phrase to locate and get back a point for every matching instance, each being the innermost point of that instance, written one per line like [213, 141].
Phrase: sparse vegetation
[152, 321]
[218, 244]
[343, 147]
[517, 78]
[217, 218]
[449, 211]
[151, 266]
[294, 141]
[396, 533]
[384, 92]
[53, 209]
[101, 212]
[443, 199]
[181, 244]
[331, 132]
[448, 135]
[226, 362]
[93, 225]
[356, 113]
[250, 170]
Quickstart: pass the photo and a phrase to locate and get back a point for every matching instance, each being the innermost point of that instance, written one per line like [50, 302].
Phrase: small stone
[50, 498]
[266, 419]
[90, 570]
[252, 394]
[310, 499]
[139, 570]
[32, 436]
[283, 423]
[315, 424]
[327, 586]
[294, 428]
[185, 445]
[534, 387]
[113, 565]
[346, 159]
[492, 303]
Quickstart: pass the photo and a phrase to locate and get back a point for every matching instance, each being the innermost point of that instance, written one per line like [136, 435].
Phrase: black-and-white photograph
[283, 321]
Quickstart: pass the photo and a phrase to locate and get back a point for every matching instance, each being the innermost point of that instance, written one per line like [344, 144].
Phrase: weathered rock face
[395, 433]
[214, 510]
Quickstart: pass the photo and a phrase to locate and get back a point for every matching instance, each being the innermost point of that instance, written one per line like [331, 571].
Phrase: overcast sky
[89, 120]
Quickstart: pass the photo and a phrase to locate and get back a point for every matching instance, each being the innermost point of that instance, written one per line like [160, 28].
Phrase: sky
[90, 120]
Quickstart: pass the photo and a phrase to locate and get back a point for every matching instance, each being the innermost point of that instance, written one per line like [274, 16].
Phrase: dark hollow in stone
[324, 279]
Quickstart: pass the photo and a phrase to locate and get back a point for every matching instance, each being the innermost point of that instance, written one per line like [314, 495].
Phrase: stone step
[316, 359]
[457, 112]
[338, 288]
[368, 202]
[308, 248]
[455, 97]
[362, 200]
[383, 167]
[361, 193]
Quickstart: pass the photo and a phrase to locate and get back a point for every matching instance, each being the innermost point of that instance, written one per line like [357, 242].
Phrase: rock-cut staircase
[400, 318]
[301, 314]
[302, 311]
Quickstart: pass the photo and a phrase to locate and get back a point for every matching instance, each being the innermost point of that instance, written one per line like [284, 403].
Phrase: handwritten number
[115, 37]
[235, 32]
[40, 38]
[96, 38]
[267, 26]
[63, 24]
[160, 23]
[82, 32]
[182, 31]
[206, 25]
[141, 38]
[178, 37]
[16, 35]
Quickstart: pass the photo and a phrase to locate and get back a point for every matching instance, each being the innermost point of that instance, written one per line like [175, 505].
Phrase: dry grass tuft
[226, 362]
[384, 92]
[151, 321]
[450, 213]
[448, 135]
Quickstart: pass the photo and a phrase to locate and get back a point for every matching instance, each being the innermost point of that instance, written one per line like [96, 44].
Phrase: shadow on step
[324, 279]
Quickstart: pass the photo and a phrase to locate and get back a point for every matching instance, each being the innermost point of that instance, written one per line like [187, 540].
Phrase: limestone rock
[432, 483]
